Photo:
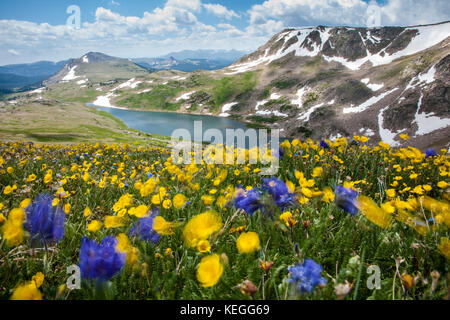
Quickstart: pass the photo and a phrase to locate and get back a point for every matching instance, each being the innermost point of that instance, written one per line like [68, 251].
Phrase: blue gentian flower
[150, 175]
[430, 153]
[279, 192]
[306, 276]
[100, 261]
[44, 222]
[345, 198]
[323, 144]
[144, 228]
[248, 201]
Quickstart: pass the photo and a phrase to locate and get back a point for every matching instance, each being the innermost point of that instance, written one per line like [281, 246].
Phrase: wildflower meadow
[339, 220]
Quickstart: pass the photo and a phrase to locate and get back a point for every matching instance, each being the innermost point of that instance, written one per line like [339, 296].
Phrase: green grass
[157, 99]
[271, 119]
[229, 87]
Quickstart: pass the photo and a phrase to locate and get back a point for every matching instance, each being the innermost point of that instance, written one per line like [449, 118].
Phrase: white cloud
[194, 5]
[114, 3]
[14, 52]
[173, 27]
[309, 12]
[220, 11]
[294, 13]
[176, 26]
[410, 12]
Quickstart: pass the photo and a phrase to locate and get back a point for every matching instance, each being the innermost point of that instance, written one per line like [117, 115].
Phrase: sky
[50, 29]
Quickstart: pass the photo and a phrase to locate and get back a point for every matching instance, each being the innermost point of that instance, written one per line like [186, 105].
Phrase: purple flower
[45, 222]
[248, 201]
[279, 192]
[144, 228]
[430, 153]
[323, 144]
[345, 198]
[100, 261]
[306, 276]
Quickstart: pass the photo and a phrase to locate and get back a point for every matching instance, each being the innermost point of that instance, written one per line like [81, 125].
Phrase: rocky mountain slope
[330, 82]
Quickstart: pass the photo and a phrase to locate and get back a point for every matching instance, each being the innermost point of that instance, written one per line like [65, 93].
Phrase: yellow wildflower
[442, 184]
[209, 270]
[7, 190]
[94, 226]
[248, 242]
[124, 245]
[288, 218]
[207, 200]
[201, 227]
[163, 227]
[317, 172]
[373, 213]
[25, 203]
[114, 222]
[13, 227]
[87, 212]
[179, 201]
[444, 247]
[203, 246]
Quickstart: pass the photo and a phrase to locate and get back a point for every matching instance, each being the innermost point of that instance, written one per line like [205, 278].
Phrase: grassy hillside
[53, 122]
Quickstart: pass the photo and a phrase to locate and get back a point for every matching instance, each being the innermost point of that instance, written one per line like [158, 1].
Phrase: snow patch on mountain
[367, 132]
[71, 74]
[273, 96]
[386, 135]
[372, 86]
[269, 112]
[299, 100]
[427, 123]
[368, 103]
[38, 90]
[305, 116]
[185, 96]
[227, 107]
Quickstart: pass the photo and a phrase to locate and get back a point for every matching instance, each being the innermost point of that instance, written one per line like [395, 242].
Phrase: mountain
[41, 68]
[96, 67]
[214, 55]
[327, 82]
[186, 65]
[19, 77]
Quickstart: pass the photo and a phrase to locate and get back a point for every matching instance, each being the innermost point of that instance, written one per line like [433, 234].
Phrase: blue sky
[37, 30]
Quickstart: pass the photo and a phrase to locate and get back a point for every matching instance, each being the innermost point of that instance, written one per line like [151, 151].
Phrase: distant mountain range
[214, 55]
[23, 77]
[186, 65]
[18, 77]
